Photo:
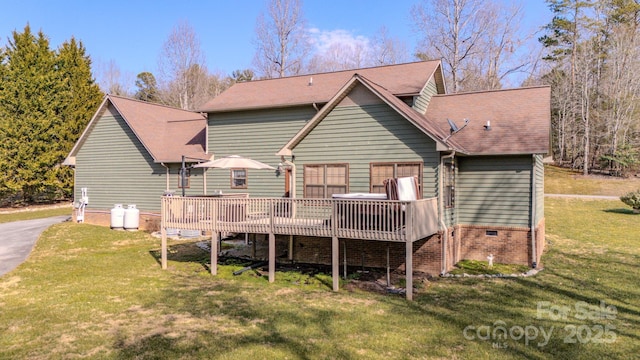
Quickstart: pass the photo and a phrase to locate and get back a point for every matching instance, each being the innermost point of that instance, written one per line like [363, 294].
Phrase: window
[449, 186]
[187, 179]
[381, 171]
[238, 178]
[324, 180]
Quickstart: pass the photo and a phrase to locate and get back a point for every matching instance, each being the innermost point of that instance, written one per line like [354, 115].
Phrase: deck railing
[387, 220]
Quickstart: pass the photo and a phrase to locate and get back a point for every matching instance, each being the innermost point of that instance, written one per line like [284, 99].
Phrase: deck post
[409, 270]
[272, 244]
[272, 257]
[163, 261]
[214, 252]
[290, 248]
[335, 262]
[163, 232]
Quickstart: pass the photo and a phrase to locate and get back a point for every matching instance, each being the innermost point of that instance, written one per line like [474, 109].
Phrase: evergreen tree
[147, 87]
[28, 114]
[46, 100]
[78, 98]
[242, 75]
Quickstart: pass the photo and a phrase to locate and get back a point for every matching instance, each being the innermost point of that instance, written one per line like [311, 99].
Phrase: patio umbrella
[234, 162]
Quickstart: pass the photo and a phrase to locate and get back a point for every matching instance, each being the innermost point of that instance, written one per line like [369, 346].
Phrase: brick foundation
[148, 221]
[509, 245]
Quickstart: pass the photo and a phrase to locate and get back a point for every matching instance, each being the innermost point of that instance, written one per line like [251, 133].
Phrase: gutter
[443, 225]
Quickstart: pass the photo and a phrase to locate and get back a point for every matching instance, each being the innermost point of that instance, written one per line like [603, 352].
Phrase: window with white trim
[238, 178]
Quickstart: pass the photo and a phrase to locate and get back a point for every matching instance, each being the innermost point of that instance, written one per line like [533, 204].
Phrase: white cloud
[323, 40]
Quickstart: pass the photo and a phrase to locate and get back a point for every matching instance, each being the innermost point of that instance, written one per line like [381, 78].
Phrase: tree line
[588, 53]
[593, 52]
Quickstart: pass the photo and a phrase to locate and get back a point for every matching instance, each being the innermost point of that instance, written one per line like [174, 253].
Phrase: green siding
[258, 135]
[360, 135]
[494, 190]
[422, 102]
[539, 178]
[116, 168]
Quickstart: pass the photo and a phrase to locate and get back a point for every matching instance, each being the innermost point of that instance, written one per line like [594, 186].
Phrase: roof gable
[380, 93]
[401, 79]
[166, 133]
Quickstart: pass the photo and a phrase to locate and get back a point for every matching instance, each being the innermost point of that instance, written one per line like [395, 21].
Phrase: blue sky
[131, 33]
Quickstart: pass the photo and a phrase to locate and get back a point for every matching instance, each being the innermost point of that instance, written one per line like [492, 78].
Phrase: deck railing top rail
[387, 220]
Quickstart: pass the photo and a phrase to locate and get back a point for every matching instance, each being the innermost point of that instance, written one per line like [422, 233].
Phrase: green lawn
[564, 181]
[24, 214]
[89, 292]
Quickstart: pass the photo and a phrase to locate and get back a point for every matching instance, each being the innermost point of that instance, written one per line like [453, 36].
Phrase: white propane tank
[117, 217]
[131, 218]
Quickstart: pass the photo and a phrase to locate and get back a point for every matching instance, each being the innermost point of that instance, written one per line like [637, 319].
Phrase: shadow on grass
[190, 252]
[621, 211]
[252, 326]
[186, 252]
[269, 321]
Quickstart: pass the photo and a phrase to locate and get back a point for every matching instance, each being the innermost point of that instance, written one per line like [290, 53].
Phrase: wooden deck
[376, 220]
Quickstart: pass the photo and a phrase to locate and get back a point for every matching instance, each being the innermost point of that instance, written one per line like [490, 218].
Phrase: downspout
[443, 225]
[166, 167]
[534, 252]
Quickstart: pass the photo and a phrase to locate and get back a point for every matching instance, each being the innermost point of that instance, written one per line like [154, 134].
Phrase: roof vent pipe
[487, 126]
[310, 81]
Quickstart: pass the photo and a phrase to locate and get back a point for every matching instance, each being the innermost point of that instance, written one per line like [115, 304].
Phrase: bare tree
[621, 92]
[340, 56]
[501, 43]
[386, 50]
[281, 41]
[453, 31]
[477, 40]
[593, 49]
[111, 79]
[183, 73]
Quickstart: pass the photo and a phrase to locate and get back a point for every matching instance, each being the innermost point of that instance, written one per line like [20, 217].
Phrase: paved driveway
[17, 239]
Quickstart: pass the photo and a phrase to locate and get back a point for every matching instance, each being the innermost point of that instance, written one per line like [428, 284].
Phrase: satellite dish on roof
[454, 127]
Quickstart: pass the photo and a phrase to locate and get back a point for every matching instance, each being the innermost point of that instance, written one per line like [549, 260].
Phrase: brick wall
[511, 245]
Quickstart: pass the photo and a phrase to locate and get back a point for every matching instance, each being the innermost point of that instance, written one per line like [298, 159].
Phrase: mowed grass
[26, 214]
[89, 292]
[103, 296]
[565, 181]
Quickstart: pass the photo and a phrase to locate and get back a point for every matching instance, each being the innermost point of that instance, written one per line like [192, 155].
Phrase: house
[477, 155]
[131, 152]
